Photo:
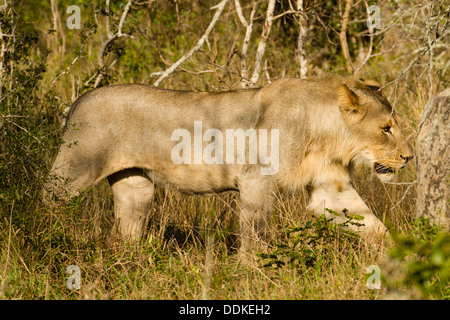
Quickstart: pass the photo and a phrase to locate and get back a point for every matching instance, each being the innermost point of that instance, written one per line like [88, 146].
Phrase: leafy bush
[29, 128]
[422, 263]
[311, 245]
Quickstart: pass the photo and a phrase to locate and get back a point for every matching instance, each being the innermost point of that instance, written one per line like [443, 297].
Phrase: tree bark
[303, 36]
[433, 161]
[262, 42]
[343, 36]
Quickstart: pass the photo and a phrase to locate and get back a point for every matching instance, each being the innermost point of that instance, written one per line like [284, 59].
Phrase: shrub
[314, 244]
[421, 261]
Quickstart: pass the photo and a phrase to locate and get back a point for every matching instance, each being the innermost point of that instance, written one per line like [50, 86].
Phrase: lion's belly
[195, 179]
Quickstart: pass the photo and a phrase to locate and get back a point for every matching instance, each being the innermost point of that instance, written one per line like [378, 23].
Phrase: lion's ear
[374, 85]
[349, 105]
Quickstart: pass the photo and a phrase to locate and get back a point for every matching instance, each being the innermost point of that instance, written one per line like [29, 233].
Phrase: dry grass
[189, 248]
[189, 252]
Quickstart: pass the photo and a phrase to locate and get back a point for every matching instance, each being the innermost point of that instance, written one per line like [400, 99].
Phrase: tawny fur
[326, 125]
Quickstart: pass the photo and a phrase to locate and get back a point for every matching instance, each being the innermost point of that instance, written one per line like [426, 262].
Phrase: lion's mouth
[379, 168]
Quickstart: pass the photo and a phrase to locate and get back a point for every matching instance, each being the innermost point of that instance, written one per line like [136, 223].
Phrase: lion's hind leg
[256, 197]
[133, 192]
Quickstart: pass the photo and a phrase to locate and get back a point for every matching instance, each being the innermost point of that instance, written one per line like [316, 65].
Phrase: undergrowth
[189, 248]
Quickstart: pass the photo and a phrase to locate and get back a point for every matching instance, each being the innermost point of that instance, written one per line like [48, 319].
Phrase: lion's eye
[386, 129]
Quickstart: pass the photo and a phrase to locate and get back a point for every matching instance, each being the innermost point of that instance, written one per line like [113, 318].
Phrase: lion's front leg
[341, 195]
[255, 200]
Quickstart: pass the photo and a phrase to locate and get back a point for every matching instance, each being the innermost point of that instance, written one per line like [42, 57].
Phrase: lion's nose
[406, 158]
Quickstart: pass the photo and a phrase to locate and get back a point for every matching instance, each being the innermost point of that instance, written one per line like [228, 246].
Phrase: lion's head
[372, 120]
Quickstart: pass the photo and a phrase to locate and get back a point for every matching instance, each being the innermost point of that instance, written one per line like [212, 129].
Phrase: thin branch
[278, 16]
[237, 4]
[326, 27]
[266, 71]
[343, 36]
[431, 46]
[199, 44]
[262, 43]
[400, 183]
[303, 35]
[248, 33]
[198, 72]
[108, 25]
[98, 76]
[369, 53]
[72, 63]
[404, 195]
[15, 124]
[122, 19]
[411, 64]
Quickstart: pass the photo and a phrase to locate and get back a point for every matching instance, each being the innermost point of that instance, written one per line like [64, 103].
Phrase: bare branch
[343, 36]
[404, 195]
[98, 76]
[237, 4]
[266, 72]
[303, 36]
[262, 43]
[57, 26]
[325, 27]
[3, 50]
[369, 53]
[72, 63]
[199, 44]
[248, 33]
[122, 19]
[278, 16]
[108, 25]
[22, 128]
[411, 64]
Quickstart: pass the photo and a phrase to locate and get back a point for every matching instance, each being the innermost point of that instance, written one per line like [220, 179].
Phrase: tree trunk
[433, 161]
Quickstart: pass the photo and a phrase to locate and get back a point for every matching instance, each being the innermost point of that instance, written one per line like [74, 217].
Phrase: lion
[325, 126]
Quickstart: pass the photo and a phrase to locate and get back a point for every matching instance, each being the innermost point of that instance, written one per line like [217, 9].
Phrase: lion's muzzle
[381, 169]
